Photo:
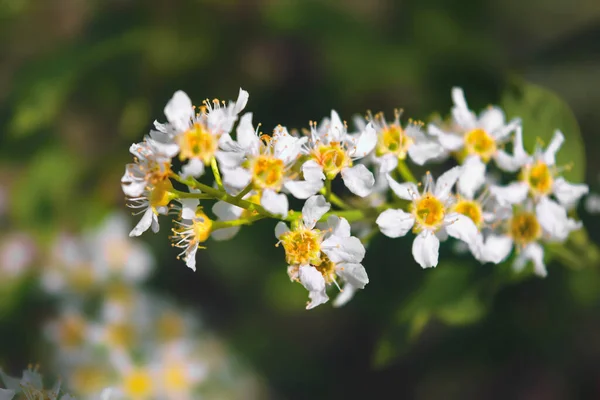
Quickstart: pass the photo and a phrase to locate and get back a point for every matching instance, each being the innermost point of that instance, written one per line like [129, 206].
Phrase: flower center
[393, 140]
[89, 379]
[120, 335]
[326, 268]
[471, 209]
[429, 211]
[539, 177]
[72, 331]
[138, 384]
[197, 142]
[202, 226]
[302, 246]
[333, 158]
[160, 196]
[525, 228]
[479, 142]
[175, 377]
[268, 172]
[170, 326]
[158, 172]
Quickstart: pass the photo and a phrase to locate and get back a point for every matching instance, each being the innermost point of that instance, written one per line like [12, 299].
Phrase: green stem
[244, 192]
[335, 200]
[327, 189]
[405, 172]
[187, 195]
[236, 222]
[224, 196]
[216, 173]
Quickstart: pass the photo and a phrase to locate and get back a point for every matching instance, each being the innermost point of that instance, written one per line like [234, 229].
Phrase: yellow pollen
[197, 142]
[161, 194]
[302, 246]
[202, 226]
[138, 385]
[539, 177]
[326, 268]
[479, 142]
[170, 326]
[471, 209]
[72, 331]
[393, 140]
[268, 172]
[175, 377]
[525, 228]
[429, 211]
[159, 172]
[120, 335]
[333, 158]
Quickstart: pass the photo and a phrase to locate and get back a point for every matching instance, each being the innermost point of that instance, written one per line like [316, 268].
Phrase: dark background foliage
[81, 80]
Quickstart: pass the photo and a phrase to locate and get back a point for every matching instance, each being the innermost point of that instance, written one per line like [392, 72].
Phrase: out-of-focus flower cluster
[110, 332]
[256, 175]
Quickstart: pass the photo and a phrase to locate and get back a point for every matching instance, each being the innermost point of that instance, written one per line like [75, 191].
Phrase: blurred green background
[82, 80]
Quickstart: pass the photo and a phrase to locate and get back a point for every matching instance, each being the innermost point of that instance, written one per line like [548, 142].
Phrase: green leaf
[543, 112]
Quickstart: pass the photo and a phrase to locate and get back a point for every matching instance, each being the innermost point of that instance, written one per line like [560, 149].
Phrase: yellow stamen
[333, 158]
[393, 140]
[479, 142]
[524, 228]
[539, 177]
[197, 142]
[429, 212]
[138, 385]
[268, 172]
[302, 246]
[471, 209]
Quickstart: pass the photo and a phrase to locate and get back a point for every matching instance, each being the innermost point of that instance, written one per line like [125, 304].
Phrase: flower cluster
[258, 176]
[111, 333]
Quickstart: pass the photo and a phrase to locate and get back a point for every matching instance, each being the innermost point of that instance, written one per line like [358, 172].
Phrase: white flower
[429, 214]
[151, 203]
[592, 203]
[316, 258]
[17, 253]
[265, 162]
[524, 228]
[196, 135]
[395, 143]
[478, 137]
[539, 176]
[180, 370]
[332, 151]
[113, 253]
[193, 228]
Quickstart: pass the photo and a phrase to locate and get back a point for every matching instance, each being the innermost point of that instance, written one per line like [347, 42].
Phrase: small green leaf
[542, 113]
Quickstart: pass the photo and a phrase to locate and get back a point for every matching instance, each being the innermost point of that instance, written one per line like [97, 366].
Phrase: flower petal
[568, 194]
[366, 142]
[345, 295]
[460, 112]
[314, 208]
[354, 274]
[339, 249]
[491, 120]
[194, 167]
[461, 227]
[303, 189]
[421, 152]
[425, 249]
[535, 253]
[496, 248]
[179, 111]
[314, 282]
[449, 141]
[246, 134]
[472, 177]
[144, 223]
[312, 171]
[513, 193]
[446, 181]
[549, 156]
[241, 101]
[275, 203]
[236, 177]
[405, 191]
[395, 223]
[338, 226]
[188, 208]
[336, 128]
[190, 257]
[554, 220]
[359, 180]
[280, 229]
